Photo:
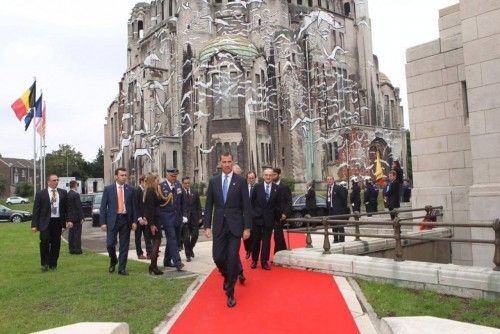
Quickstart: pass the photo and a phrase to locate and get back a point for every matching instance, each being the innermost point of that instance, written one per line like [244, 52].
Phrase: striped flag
[34, 112]
[25, 102]
[41, 125]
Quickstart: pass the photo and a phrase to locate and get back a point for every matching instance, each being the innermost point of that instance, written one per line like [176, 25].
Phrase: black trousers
[225, 252]
[75, 238]
[121, 230]
[339, 229]
[279, 238]
[50, 243]
[143, 230]
[261, 234]
[190, 233]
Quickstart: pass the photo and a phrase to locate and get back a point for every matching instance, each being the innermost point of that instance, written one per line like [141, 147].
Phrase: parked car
[299, 207]
[87, 203]
[96, 205]
[15, 216]
[17, 200]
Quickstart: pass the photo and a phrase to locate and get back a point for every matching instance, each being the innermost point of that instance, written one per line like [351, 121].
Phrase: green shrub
[24, 189]
[290, 182]
[200, 187]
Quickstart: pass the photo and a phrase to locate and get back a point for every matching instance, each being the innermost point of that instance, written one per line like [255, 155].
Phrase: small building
[15, 170]
[94, 185]
[65, 180]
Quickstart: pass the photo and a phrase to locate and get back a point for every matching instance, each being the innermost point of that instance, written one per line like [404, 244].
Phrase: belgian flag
[23, 104]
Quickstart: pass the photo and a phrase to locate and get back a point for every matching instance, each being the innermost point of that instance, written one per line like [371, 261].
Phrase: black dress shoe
[247, 256]
[188, 259]
[225, 285]
[231, 302]
[254, 265]
[266, 266]
[123, 272]
[155, 271]
[52, 268]
[179, 266]
[241, 278]
[45, 268]
[111, 268]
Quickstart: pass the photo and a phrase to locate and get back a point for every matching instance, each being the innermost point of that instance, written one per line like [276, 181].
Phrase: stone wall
[454, 124]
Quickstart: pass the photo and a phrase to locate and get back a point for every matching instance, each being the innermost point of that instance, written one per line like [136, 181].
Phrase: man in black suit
[265, 208]
[227, 199]
[336, 204]
[192, 211]
[117, 217]
[285, 211]
[251, 180]
[393, 193]
[75, 217]
[49, 217]
[142, 227]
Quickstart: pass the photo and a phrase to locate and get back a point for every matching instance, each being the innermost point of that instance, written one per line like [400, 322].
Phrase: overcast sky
[77, 51]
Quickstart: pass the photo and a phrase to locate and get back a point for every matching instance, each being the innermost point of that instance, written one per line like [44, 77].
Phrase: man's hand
[69, 225]
[184, 220]
[142, 221]
[153, 229]
[208, 232]
[34, 229]
[104, 228]
[134, 226]
[246, 234]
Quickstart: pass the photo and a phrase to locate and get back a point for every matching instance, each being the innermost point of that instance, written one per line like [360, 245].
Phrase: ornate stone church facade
[293, 84]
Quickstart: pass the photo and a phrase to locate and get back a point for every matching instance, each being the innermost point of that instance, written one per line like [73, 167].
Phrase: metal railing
[321, 225]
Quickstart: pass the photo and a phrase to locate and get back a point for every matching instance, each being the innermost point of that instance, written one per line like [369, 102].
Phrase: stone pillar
[481, 47]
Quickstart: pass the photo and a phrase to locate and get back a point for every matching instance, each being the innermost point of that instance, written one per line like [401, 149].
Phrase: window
[465, 101]
[234, 151]
[225, 100]
[347, 8]
[310, 3]
[174, 159]
[262, 153]
[335, 151]
[140, 28]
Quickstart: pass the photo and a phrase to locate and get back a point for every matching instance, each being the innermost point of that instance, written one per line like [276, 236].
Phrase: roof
[383, 79]
[19, 163]
[238, 46]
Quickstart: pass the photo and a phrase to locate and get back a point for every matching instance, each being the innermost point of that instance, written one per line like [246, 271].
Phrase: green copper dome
[236, 45]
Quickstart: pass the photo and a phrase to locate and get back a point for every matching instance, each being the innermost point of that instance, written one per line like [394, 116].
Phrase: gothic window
[310, 3]
[234, 151]
[174, 159]
[335, 151]
[218, 150]
[225, 97]
[262, 153]
[140, 28]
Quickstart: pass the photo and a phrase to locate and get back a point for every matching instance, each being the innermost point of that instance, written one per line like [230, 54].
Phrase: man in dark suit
[171, 216]
[227, 199]
[142, 227]
[49, 217]
[192, 211]
[285, 210]
[265, 208]
[392, 193]
[251, 180]
[117, 217]
[75, 216]
[336, 204]
[311, 199]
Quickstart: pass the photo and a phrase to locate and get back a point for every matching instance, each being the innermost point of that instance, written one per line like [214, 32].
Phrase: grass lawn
[79, 290]
[390, 301]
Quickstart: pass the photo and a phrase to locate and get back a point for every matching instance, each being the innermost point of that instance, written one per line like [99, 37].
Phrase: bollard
[326, 242]
[398, 251]
[356, 218]
[308, 233]
[496, 258]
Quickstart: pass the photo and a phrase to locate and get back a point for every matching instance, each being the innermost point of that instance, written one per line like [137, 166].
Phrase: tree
[24, 189]
[66, 161]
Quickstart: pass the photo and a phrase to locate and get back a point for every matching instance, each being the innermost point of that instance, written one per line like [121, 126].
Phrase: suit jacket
[42, 208]
[356, 197]
[149, 208]
[265, 212]
[176, 206]
[74, 207]
[192, 206]
[285, 200]
[139, 193]
[311, 200]
[109, 205]
[393, 195]
[337, 205]
[236, 211]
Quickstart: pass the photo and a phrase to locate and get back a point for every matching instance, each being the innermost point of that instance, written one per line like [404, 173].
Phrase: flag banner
[22, 105]
[34, 112]
[40, 125]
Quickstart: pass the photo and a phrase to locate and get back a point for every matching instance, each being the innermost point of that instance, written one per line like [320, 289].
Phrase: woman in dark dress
[311, 199]
[151, 202]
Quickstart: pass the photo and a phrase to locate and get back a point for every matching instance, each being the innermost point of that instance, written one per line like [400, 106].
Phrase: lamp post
[310, 131]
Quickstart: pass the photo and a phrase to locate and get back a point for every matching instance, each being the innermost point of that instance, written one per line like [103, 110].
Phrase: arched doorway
[379, 145]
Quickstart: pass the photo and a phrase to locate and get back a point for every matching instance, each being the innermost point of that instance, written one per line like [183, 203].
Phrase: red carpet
[276, 301]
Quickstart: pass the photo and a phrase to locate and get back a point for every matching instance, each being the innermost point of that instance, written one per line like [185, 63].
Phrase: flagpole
[34, 146]
[42, 174]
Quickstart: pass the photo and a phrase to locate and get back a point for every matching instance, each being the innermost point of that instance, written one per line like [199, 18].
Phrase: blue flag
[37, 110]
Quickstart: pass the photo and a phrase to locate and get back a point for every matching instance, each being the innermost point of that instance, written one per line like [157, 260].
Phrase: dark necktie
[53, 200]
[267, 192]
